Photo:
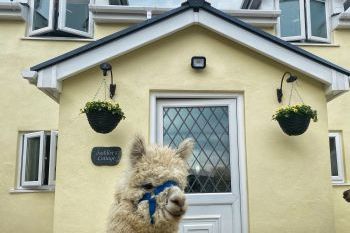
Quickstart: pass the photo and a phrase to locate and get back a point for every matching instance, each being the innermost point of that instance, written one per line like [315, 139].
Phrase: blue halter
[151, 197]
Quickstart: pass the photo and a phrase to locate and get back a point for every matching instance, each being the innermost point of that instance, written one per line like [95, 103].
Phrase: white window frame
[305, 23]
[309, 29]
[22, 184]
[61, 24]
[302, 24]
[31, 20]
[41, 135]
[339, 151]
[53, 153]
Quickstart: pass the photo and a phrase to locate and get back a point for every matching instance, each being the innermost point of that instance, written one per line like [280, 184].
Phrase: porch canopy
[48, 75]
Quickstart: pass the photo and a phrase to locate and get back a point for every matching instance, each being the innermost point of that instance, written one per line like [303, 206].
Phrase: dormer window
[304, 20]
[64, 18]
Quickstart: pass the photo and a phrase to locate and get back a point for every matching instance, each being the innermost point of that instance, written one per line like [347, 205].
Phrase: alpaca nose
[179, 201]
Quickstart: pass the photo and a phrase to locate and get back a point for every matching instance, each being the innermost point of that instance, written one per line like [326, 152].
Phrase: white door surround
[212, 222]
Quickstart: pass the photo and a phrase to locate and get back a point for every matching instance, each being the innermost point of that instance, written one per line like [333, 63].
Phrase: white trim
[240, 137]
[61, 23]
[50, 78]
[46, 29]
[339, 151]
[41, 135]
[52, 162]
[11, 11]
[42, 189]
[134, 14]
[343, 21]
[302, 26]
[53, 38]
[308, 22]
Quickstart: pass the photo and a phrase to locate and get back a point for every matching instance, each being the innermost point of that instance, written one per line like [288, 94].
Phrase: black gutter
[109, 38]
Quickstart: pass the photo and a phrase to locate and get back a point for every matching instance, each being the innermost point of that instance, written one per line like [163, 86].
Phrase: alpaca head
[161, 173]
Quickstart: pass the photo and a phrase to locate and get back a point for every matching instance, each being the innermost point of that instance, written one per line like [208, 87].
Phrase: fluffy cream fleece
[151, 166]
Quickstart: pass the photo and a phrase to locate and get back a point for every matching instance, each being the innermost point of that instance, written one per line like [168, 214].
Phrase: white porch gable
[48, 76]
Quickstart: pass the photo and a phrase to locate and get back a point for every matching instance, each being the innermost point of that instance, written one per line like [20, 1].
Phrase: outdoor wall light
[105, 67]
[198, 62]
[290, 79]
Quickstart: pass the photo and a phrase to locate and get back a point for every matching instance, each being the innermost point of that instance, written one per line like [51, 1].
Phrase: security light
[198, 62]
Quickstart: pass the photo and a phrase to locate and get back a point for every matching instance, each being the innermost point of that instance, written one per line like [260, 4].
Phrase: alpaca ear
[185, 148]
[138, 149]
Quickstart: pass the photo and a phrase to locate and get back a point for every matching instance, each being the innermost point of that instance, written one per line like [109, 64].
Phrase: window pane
[41, 14]
[290, 18]
[32, 159]
[333, 152]
[77, 15]
[318, 18]
[209, 127]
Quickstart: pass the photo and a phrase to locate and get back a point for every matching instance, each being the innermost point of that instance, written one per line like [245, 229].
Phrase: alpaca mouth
[176, 214]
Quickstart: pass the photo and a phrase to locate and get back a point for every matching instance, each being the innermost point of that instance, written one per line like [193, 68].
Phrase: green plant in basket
[294, 120]
[103, 116]
[94, 106]
[298, 109]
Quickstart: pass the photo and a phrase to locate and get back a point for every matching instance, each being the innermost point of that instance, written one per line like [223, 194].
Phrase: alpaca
[346, 195]
[152, 199]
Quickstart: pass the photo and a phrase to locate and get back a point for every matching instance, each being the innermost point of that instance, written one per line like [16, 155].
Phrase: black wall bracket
[105, 67]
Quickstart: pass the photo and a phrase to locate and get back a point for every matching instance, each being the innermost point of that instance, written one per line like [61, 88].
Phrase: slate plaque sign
[106, 156]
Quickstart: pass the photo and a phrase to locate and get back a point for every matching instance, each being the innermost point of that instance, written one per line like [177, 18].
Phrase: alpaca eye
[148, 186]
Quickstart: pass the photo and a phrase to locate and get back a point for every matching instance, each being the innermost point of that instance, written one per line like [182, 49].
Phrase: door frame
[240, 139]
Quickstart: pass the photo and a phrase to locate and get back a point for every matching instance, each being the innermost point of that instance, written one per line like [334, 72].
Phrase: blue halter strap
[151, 197]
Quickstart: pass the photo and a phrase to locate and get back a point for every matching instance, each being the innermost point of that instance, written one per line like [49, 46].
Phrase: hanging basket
[103, 121]
[294, 124]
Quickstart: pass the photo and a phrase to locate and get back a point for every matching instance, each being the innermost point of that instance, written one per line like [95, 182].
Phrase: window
[38, 159]
[304, 20]
[60, 18]
[335, 147]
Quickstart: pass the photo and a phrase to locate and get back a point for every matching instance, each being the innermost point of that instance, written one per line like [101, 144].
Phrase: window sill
[22, 190]
[57, 39]
[315, 44]
[341, 184]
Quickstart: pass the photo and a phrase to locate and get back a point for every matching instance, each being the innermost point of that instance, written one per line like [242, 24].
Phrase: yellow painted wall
[338, 120]
[24, 108]
[288, 177]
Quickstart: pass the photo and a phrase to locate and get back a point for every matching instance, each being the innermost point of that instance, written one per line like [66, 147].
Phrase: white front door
[213, 192]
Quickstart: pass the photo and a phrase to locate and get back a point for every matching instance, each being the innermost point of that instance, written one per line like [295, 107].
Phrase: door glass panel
[209, 127]
[333, 152]
[290, 18]
[77, 15]
[318, 18]
[32, 159]
[41, 14]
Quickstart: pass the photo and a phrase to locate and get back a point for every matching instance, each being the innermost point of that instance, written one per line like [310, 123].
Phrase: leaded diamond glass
[209, 127]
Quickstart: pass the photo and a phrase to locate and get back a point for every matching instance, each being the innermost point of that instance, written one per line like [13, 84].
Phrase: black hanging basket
[103, 121]
[294, 124]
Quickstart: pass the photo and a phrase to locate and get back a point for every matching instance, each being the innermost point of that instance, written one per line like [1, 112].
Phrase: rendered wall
[25, 108]
[338, 120]
[288, 177]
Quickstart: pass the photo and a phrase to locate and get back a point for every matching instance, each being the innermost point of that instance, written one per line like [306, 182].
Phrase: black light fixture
[105, 67]
[290, 79]
[198, 62]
